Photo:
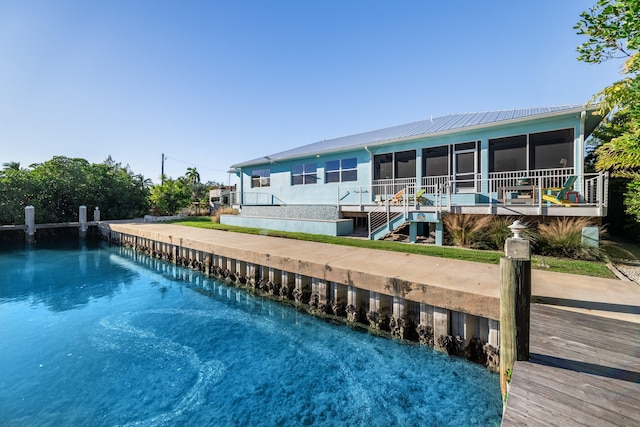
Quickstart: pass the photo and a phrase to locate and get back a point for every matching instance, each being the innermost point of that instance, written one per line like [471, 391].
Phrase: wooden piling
[515, 303]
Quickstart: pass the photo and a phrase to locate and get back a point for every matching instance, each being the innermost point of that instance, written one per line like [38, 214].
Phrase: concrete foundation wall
[316, 212]
[339, 227]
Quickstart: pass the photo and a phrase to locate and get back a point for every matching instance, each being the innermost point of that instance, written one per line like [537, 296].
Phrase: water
[98, 336]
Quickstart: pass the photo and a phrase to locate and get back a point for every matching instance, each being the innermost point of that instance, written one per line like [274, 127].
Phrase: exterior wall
[319, 193]
[340, 227]
[357, 192]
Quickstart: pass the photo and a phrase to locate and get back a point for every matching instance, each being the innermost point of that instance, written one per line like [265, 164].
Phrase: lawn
[587, 268]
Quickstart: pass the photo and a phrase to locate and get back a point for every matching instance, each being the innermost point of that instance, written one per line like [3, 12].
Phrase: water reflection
[39, 275]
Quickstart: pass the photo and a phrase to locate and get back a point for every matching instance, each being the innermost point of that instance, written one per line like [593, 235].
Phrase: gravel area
[631, 271]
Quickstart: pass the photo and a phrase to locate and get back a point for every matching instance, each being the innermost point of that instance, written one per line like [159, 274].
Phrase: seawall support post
[515, 303]
[426, 314]
[230, 267]
[275, 276]
[353, 307]
[30, 223]
[470, 322]
[494, 333]
[251, 273]
[240, 270]
[398, 310]
[441, 322]
[287, 282]
[302, 290]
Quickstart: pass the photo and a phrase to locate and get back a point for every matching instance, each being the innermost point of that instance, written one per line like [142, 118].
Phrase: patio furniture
[559, 196]
[419, 197]
[520, 194]
[397, 198]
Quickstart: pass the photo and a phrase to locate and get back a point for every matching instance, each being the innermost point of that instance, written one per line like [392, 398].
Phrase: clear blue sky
[213, 83]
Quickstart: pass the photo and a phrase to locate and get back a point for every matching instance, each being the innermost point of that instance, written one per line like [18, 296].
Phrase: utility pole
[162, 173]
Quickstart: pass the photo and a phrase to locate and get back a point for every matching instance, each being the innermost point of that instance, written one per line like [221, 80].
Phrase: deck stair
[393, 213]
[382, 222]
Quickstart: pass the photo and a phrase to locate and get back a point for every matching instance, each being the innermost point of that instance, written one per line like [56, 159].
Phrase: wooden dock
[584, 371]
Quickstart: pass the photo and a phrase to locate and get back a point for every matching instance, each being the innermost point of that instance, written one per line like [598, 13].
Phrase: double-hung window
[342, 170]
[304, 174]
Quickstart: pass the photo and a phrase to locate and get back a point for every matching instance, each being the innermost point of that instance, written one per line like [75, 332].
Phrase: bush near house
[561, 237]
[466, 230]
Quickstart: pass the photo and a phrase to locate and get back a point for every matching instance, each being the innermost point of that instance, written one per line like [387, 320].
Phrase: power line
[194, 164]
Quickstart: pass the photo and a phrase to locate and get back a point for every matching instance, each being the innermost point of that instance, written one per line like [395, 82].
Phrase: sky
[213, 83]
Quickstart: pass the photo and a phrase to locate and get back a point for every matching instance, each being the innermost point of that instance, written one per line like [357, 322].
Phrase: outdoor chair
[419, 197]
[558, 196]
[397, 198]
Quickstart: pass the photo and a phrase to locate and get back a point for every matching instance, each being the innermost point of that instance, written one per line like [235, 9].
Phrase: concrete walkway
[437, 281]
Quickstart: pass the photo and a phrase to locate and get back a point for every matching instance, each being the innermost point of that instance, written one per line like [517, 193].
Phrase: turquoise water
[99, 336]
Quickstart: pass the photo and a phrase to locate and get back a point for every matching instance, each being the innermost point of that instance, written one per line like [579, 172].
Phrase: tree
[169, 197]
[57, 188]
[11, 166]
[192, 175]
[613, 31]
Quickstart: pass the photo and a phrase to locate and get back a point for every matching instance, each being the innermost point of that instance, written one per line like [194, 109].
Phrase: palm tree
[192, 175]
[11, 166]
[142, 181]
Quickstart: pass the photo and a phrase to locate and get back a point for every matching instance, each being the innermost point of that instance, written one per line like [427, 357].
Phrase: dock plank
[584, 370]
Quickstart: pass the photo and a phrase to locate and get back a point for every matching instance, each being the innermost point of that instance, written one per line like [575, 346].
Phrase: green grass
[587, 268]
[619, 250]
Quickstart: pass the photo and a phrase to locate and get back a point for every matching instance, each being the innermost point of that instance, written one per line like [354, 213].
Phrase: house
[511, 162]
[219, 196]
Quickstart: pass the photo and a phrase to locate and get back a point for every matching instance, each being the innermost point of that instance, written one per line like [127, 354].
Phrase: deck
[584, 371]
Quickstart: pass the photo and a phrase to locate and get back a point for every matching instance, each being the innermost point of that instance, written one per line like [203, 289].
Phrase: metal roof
[444, 124]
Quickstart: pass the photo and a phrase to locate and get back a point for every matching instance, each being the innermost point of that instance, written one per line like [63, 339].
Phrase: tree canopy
[612, 28]
[58, 187]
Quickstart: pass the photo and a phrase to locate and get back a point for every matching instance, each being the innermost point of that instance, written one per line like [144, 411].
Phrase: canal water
[97, 336]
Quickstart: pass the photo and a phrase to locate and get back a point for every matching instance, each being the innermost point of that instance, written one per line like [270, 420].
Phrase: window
[551, 150]
[260, 178]
[383, 166]
[435, 161]
[341, 170]
[543, 150]
[508, 154]
[405, 164]
[401, 164]
[304, 174]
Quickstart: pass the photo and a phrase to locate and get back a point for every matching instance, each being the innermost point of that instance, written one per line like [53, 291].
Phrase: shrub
[498, 232]
[466, 230]
[224, 211]
[563, 237]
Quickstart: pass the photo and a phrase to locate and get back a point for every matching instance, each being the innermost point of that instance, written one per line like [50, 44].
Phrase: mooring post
[515, 303]
[30, 223]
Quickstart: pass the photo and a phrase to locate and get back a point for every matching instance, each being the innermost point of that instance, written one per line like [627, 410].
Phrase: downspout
[371, 171]
[241, 187]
